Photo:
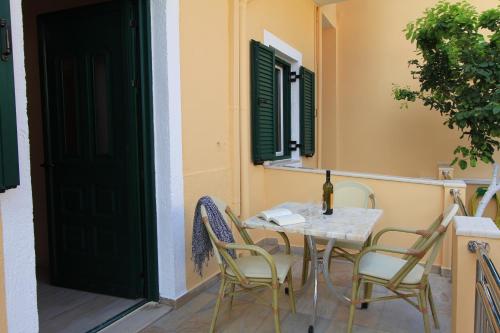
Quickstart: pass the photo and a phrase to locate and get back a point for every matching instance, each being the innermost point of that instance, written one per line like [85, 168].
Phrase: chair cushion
[257, 266]
[385, 267]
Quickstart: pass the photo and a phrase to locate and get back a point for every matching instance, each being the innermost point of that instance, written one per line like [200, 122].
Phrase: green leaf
[463, 164]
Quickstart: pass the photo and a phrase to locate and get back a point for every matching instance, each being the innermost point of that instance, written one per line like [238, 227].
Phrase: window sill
[285, 163]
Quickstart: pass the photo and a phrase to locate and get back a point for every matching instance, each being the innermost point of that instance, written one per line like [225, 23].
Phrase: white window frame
[294, 58]
[281, 138]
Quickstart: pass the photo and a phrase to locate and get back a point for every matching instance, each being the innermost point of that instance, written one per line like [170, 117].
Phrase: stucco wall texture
[374, 134]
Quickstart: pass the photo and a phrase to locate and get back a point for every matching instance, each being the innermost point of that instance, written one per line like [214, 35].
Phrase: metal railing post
[458, 200]
[487, 303]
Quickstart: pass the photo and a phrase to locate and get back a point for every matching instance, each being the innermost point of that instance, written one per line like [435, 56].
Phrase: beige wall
[214, 103]
[371, 133]
[295, 22]
[329, 128]
[3, 307]
[206, 111]
[405, 204]
[375, 135]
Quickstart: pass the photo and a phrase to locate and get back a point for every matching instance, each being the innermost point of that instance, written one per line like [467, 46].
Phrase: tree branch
[493, 188]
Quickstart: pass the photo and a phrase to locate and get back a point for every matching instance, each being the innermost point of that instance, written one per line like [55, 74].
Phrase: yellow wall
[214, 102]
[404, 204]
[3, 307]
[464, 277]
[371, 133]
[206, 114]
[375, 135]
[329, 128]
[295, 22]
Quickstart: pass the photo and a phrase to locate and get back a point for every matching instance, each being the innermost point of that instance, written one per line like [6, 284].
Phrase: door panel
[92, 148]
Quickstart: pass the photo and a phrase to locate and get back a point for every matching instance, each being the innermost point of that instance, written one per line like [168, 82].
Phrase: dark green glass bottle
[327, 195]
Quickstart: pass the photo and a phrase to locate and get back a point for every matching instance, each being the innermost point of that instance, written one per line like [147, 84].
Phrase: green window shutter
[307, 112]
[263, 90]
[9, 164]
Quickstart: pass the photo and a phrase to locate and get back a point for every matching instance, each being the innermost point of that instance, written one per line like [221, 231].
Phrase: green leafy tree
[458, 70]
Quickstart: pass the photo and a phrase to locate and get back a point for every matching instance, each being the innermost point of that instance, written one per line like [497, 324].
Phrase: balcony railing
[487, 316]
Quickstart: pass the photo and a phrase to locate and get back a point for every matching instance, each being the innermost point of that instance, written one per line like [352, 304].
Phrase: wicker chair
[404, 276]
[259, 269]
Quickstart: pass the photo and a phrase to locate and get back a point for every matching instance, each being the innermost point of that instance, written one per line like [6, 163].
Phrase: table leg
[326, 271]
[314, 271]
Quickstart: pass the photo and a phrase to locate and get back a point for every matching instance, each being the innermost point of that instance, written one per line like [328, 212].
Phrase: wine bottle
[327, 195]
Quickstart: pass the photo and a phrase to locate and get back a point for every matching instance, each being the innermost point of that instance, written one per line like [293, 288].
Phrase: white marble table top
[354, 224]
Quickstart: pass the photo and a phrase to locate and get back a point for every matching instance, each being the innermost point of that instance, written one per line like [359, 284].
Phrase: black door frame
[152, 291]
[146, 148]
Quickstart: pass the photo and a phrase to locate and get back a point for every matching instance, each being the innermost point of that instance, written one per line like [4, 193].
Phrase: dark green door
[92, 161]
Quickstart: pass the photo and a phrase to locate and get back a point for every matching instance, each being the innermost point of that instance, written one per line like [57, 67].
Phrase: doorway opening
[87, 69]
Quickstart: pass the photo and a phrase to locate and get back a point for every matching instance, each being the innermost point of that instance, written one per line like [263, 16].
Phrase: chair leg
[305, 262]
[354, 299]
[433, 307]
[232, 296]
[276, 311]
[222, 290]
[291, 292]
[422, 303]
[368, 294]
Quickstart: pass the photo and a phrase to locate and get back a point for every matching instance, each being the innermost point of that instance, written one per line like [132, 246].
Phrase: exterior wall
[296, 23]
[3, 306]
[329, 123]
[206, 110]
[216, 107]
[407, 203]
[375, 135]
[165, 67]
[16, 208]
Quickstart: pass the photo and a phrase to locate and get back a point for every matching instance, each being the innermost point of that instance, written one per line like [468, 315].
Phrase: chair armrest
[393, 229]
[260, 251]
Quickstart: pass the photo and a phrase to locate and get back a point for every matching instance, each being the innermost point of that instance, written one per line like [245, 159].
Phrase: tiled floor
[74, 311]
[250, 314]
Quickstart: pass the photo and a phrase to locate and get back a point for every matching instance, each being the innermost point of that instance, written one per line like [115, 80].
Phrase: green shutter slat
[263, 85]
[307, 112]
[9, 164]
